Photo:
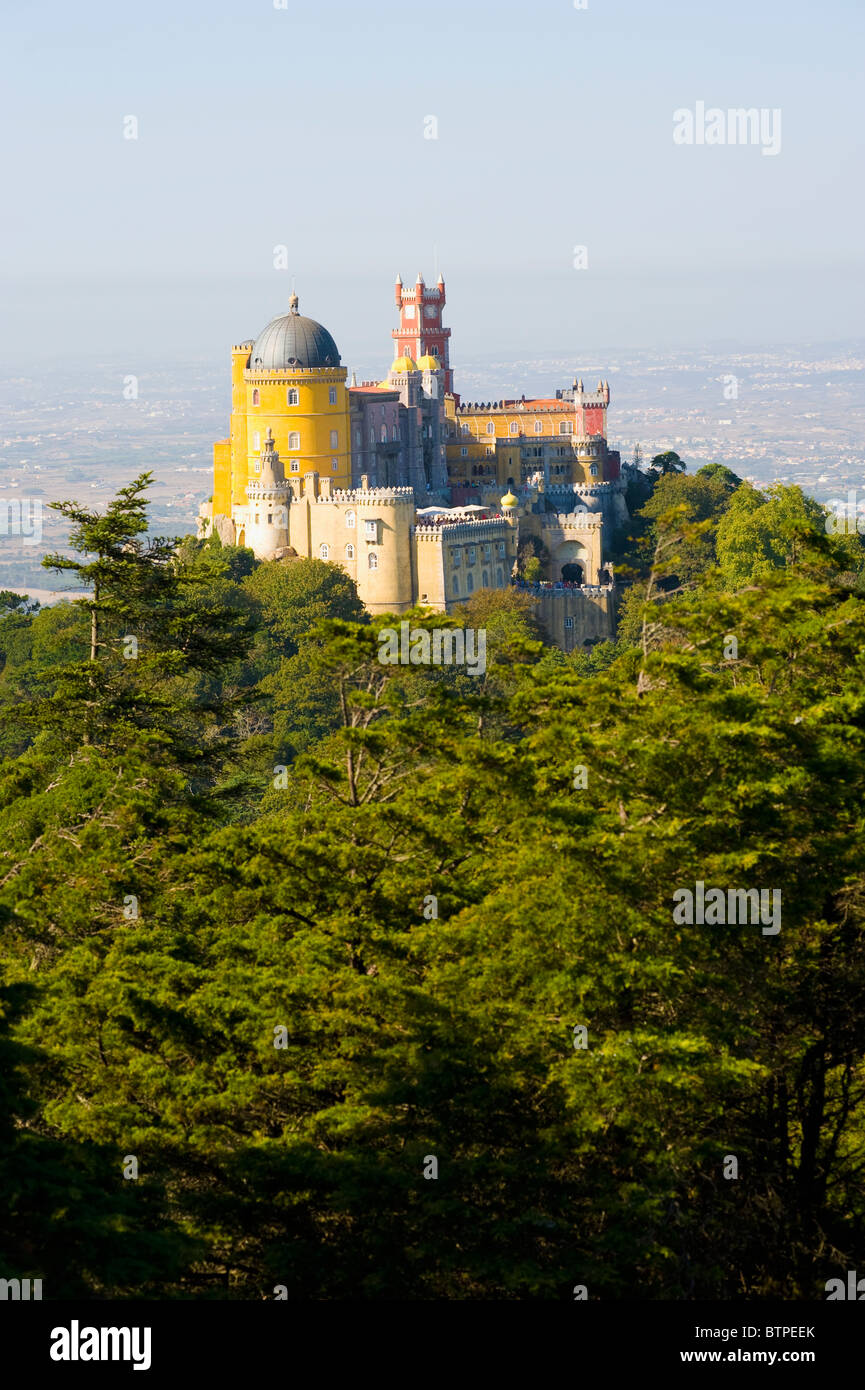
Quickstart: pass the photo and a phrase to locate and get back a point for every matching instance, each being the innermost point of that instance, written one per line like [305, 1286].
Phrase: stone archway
[570, 562]
[573, 572]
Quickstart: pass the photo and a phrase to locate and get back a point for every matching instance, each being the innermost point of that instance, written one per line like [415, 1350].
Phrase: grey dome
[293, 341]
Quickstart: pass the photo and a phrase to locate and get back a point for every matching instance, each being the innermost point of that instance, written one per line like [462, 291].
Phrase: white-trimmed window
[256, 398]
[256, 439]
[293, 397]
[370, 529]
[566, 427]
[514, 427]
[464, 453]
[569, 622]
[349, 518]
[331, 395]
[334, 439]
[539, 427]
[294, 466]
[372, 560]
[294, 439]
[324, 550]
[349, 551]
[491, 427]
[334, 463]
[473, 555]
[594, 470]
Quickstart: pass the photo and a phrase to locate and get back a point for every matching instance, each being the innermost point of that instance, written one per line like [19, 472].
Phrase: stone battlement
[372, 496]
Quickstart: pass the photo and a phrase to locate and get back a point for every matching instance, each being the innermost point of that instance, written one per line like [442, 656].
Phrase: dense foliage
[282, 924]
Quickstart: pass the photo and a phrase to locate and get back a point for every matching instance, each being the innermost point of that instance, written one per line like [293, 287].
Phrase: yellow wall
[313, 418]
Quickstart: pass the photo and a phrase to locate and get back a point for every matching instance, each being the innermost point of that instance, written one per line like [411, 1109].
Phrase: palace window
[455, 559]
[514, 427]
[473, 554]
[499, 579]
[324, 550]
[293, 397]
[357, 439]
[566, 427]
[384, 434]
[488, 550]
[349, 551]
[349, 518]
[371, 435]
[255, 397]
[334, 463]
[490, 450]
[334, 439]
[370, 530]
[372, 560]
[501, 547]
[594, 470]
[294, 466]
[470, 583]
[539, 427]
[294, 440]
[464, 453]
[569, 622]
[396, 432]
[332, 395]
[491, 427]
[486, 583]
[456, 583]
[256, 440]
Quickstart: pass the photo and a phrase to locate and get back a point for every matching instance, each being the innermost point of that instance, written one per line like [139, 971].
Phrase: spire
[420, 279]
[292, 304]
[354, 378]
[398, 278]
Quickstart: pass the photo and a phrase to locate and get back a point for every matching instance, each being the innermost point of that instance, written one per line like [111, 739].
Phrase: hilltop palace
[401, 483]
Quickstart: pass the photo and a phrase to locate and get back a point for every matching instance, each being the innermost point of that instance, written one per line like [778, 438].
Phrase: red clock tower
[421, 332]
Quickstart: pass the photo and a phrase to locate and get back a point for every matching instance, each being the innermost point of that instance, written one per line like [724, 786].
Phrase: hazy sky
[304, 126]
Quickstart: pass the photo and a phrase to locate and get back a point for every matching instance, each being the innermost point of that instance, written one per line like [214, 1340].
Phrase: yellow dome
[429, 363]
[404, 364]
[509, 500]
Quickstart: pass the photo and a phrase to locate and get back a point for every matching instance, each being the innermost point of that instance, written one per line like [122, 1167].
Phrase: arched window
[324, 550]
[594, 470]
[371, 435]
[486, 582]
[292, 395]
[372, 560]
[357, 439]
[294, 439]
[566, 427]
[349, 518]
[491, 428]
[395, 433]
[470, 582]
[349, 551]
[499, 579]
[334, 439]
[384, 434]
[456, 583]
[256, 399]
[539, 427]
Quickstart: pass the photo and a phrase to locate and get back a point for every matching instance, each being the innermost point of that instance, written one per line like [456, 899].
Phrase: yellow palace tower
[288, 386]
